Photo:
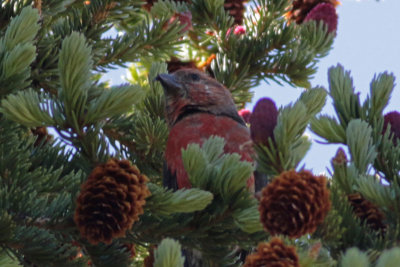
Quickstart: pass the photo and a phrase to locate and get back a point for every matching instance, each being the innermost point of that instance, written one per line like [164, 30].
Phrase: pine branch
[168, 253]
[165, 202]
[17, 51]
[288, 146]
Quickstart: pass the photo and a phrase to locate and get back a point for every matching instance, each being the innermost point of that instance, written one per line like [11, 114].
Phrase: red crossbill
[198, 107]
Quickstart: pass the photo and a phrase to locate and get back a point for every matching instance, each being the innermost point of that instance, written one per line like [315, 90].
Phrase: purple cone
[325, 12]
[392, 118]
[263, 121]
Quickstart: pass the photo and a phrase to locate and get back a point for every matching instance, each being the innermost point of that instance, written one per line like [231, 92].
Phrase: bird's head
[189, 91]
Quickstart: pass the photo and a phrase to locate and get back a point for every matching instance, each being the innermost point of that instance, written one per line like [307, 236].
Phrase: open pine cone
[294, 203]
[367, 212]
[300, 9]
[273, 254]
[110, 201]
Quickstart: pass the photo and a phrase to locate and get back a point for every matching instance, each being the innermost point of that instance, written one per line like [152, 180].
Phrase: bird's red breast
[198, 107]
[198, 127]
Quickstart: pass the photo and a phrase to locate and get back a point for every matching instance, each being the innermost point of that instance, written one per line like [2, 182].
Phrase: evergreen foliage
[53, 54]
[363, 172]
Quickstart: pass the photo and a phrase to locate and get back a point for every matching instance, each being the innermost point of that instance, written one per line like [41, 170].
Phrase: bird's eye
[194, 77]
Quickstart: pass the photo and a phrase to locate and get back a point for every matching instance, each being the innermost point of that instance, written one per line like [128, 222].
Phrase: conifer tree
[81, 162]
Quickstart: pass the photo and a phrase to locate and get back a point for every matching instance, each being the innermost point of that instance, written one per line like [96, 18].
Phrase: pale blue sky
[367, 42]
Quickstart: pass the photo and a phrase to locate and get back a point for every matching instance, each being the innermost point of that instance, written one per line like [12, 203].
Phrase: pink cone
[245, 114]
[239, 30]
[325, 12]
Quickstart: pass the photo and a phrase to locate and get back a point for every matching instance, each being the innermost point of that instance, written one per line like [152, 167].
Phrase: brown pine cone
[110, 201]
[236, 9]
[273, 254]
[300, 9]
[367, 212]
[294, 203]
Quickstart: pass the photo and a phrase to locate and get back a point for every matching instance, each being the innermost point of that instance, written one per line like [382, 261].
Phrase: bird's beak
[169, 83]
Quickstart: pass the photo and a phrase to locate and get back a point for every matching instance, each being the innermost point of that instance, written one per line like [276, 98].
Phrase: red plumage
[197, 108]
[196, 129]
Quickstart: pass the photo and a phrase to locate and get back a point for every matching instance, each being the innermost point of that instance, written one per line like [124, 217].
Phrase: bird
[198, 107]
